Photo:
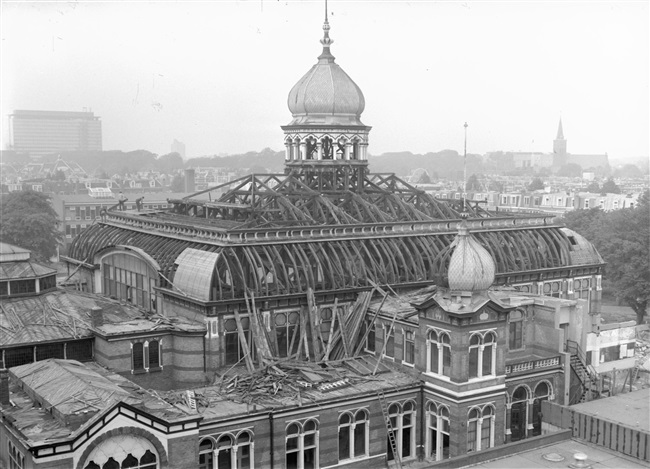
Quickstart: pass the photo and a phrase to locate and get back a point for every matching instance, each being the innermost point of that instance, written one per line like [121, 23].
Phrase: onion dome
[326, 94]
[471, 266]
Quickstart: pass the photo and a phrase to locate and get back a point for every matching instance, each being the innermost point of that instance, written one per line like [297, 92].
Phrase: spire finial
[560, 132]
[326, 41]
[465, 174]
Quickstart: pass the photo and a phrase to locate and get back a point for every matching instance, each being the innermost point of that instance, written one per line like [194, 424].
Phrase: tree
[473, 184]
[610, 187]
[536, 185]
[622, 237]
[169, 163]
[30, 222]
[593, 187]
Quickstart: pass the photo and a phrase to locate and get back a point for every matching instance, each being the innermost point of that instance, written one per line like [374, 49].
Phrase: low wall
[503, 451]
[630, 441]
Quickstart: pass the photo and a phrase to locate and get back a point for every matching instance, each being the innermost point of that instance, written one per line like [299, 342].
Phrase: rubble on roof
[289, 383]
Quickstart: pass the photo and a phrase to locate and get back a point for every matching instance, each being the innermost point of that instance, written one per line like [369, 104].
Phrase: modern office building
[44, 132]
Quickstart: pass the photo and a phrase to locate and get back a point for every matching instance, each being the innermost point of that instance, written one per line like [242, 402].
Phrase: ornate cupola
[326, 142]
[471, 266]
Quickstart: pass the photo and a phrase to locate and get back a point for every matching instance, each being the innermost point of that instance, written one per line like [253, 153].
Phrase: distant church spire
[560, 133]
[326, 55]
[559, 146]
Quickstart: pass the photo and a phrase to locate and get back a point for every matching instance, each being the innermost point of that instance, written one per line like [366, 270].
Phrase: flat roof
[597, 457]
[630, 409]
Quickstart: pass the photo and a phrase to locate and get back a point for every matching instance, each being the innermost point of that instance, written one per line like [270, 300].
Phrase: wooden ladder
[389, 429]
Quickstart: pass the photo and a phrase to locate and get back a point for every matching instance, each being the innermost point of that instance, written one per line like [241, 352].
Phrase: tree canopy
[473, 183]
[610, 187]
[30, 222]
[536, 185]
[623, 239]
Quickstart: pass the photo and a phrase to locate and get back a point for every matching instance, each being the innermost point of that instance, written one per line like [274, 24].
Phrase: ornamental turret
[471, 266]
[326, 142]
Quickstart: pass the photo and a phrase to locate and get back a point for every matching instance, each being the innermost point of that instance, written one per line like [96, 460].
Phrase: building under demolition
[347, 318]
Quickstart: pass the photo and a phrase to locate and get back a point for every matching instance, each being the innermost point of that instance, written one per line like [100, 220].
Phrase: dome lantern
[326, 142]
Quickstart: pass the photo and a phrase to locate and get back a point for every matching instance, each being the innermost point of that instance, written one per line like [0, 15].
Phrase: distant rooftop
[54, 114]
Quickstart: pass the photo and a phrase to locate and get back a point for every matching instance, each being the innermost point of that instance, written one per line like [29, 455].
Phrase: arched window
[519, 413]
[206, 455]
[480, 428]
[225, 452]
[327, 148]
[146, 356]
[542, 393]
[244, 450]
[129, 278]
[141, 455]
[488, 365]
[439, 353]
[16, 458]
[111, 464]
[353, 435]
[148, 461]
[402, 419]
[487, 428]
[154, 354]
[301, 447]
[138, 357]
[482, 354]
[472, 429]
[130, 461]
[437, 439]
[229, 452]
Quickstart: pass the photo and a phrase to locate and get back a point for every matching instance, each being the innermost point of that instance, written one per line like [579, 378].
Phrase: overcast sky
[216, 75]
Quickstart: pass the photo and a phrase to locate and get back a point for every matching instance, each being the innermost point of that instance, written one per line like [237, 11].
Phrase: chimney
[4, 387]
[96, 316]
[189, 180]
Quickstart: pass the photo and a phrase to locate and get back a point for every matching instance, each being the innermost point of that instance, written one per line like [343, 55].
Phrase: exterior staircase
[586, 373]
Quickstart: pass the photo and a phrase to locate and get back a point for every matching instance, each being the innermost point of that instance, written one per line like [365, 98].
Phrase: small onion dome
[471, 266]
[326, 94]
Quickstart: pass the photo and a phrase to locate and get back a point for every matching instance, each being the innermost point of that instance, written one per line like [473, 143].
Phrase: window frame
[478, 424]
[481, 347]
[442, 422]
[408, 346]
[443, 353]
[16, 457]
[351, 425]
[146, 355]
[397, 422]
[301, 447]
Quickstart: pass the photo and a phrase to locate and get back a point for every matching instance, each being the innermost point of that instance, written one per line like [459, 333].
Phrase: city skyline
[216, 75]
